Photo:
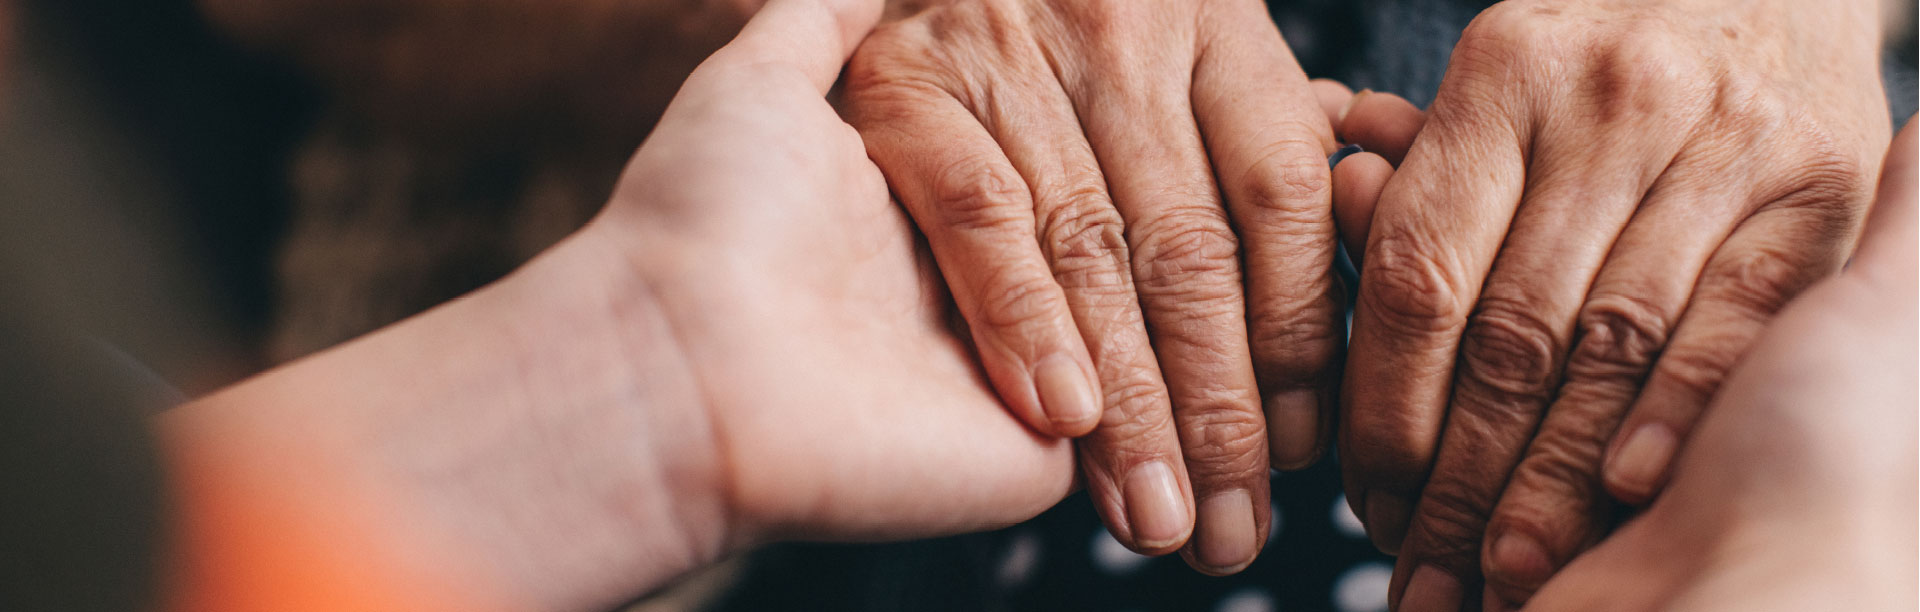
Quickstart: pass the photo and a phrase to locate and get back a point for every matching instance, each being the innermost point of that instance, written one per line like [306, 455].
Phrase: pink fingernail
[1065, 393]
[1225, 537]
[1520, 560]
[1293, 427]
[1352, 102]
[1156, 509]
[1642, 461]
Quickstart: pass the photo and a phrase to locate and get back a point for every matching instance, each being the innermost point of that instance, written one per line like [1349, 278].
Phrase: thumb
[1887, 251]
[811, 37]
[1380, 122]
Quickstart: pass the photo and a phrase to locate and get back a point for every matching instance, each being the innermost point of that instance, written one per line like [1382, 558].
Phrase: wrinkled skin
[1092, 175]
[1607, 202]
[1797, 491]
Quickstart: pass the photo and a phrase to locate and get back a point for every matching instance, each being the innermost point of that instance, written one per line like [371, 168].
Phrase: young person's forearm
[509, 446]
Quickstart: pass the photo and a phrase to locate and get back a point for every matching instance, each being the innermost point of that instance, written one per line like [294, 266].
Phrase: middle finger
[1186, 270]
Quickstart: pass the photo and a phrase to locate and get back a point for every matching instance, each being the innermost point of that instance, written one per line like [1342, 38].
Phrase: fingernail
[1431, 590]
[1643, 459]
[1065, 392]
[1156, 510]
[1520, 560]
[1351, 102]
[1225, 538]
[1293, 427]
[1387, 520]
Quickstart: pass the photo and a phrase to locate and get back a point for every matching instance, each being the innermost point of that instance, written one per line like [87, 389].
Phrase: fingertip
[1357, 183]
[1383, 123]
[1516, 559]
[1333, 97]
[1293, 428]
[1387, 515]
[1067, 396]
[815, 37]
[1638, 466]
[1159, 518]
[1226, 534]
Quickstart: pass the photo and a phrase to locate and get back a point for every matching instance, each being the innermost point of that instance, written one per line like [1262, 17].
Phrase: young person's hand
[745, 346]
[823, 344]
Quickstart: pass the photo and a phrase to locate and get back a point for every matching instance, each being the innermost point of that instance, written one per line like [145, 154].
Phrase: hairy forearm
[504, 441]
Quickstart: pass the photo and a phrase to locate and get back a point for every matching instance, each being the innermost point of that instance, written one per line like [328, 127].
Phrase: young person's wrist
[541, 438]
[606, 373]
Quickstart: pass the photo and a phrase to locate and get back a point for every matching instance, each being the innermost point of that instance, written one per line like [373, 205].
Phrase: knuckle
[1105, 21]
[1510, 351]
[1289, 182]
[1408, 290]
[880, 102]
[1015, 300]
[1758, 280]
[1820, 170]
[1453, 517]
[1826, 181]
[1187, 250]
[977, 193]
[1505, 37]
[1137, 409]
[1698, 373]
[889, 64]
[1640, 71]
[1302, 342]
[1566, 465]
[1620, 335]
[1086, 241]
[1224, 439]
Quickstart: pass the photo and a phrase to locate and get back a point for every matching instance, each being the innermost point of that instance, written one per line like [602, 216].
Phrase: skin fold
[1607, 202]
[713, 363]
[1129, 229]
[1783, 500]
[1796, 492]
[1130, 203]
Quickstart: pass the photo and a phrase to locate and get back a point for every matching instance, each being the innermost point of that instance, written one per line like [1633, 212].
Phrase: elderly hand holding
[1607, 203]
[1129, 201]
[714, 362]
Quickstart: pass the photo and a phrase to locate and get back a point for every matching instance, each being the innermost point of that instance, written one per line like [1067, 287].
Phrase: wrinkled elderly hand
[1797, 492]
[1608, 201]
[1062, 158]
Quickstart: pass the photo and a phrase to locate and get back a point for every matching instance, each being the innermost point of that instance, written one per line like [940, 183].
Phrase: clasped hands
[1608, 200]
[1126, 282]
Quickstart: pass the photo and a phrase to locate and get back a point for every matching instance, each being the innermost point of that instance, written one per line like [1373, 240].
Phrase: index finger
[1439, 223]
